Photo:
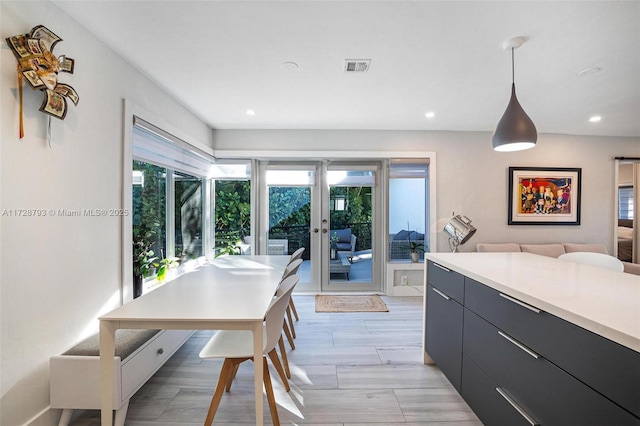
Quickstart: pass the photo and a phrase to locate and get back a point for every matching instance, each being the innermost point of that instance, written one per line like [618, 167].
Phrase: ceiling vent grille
[356, 65]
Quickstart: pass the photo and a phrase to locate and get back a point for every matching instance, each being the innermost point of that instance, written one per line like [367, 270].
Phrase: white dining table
[228, 293]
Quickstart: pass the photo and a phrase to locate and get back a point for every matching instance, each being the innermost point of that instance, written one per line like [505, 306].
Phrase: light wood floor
[349, 369]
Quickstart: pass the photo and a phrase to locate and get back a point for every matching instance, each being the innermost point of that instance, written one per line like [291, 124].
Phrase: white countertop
[597, 299]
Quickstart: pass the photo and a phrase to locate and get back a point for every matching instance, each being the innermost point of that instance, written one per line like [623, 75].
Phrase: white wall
[59, 273]
[472, 179]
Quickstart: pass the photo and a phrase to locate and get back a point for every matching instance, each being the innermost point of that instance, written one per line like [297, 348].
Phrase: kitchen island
[528, 339]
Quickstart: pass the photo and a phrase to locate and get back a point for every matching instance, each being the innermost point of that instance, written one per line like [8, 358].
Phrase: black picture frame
[559, 204]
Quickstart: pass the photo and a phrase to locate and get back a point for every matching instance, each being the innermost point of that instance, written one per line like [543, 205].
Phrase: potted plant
[333, 240]
[416, 248]
[143, 259]
[164, 265]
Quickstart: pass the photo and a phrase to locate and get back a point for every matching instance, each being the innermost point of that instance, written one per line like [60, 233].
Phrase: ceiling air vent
[357, 65]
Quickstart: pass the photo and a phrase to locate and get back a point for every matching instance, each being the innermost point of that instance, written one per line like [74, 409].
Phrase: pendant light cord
[513, 69]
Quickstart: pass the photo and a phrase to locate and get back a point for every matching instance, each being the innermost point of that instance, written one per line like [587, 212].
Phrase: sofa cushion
[593, 248]
[497, 248]
[342, 235]
[549, 250]
[127, 342]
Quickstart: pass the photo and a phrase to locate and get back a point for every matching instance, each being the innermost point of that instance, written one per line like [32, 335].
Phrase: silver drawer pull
[160, 351]
[520, 345]
[517, 302]
[441, 267]
[517, 407]
[440, 293]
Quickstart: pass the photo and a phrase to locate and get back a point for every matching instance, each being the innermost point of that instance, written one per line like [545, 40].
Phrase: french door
[331, 209]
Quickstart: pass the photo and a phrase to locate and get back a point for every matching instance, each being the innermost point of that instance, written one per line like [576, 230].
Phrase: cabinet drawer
[550, 395]
[611, 369]
[149, 358]
[444, 334]
[449, 282]
[479, 391]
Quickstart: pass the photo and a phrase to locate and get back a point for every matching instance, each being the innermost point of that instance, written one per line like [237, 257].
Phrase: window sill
[153, 284]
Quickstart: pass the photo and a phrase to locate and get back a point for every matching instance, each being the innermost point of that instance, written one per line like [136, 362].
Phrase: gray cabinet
[546, 393]
[517, 364]
[482, 395]
[612, 369]
[445, 291]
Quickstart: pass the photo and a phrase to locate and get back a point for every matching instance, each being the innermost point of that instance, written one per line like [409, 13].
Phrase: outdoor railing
[297, 236]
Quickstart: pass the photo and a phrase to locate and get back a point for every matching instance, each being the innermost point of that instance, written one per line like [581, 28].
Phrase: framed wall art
[544, 196]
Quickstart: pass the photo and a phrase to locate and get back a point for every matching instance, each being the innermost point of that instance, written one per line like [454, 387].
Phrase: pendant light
[515, 130]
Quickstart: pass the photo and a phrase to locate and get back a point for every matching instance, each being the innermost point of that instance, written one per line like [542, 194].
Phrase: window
[188, 207]
[150, 206]
[625, 202]
[408, 185]
[169, 196]
[232, 216]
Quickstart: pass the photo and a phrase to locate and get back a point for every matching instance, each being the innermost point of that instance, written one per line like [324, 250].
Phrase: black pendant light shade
[515, 130]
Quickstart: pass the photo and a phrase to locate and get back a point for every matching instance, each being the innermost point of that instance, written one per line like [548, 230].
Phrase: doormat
[348, 303]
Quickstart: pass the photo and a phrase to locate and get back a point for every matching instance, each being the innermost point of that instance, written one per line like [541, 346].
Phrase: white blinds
[155, 146]
[409, 168]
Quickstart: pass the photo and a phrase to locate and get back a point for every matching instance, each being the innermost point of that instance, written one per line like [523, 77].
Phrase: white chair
[236, 346]
[287, 327]
[594, 259]
[289, 330]
[296, 255]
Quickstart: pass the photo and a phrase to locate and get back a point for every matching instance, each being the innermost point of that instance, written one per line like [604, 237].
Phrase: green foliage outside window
[358, 214]
[232, 214]
[289, 214]
[149, 207]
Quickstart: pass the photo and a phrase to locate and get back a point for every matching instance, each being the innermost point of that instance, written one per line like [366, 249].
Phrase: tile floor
[349, 369]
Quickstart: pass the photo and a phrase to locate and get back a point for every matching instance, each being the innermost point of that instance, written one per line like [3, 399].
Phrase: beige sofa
[553, 250]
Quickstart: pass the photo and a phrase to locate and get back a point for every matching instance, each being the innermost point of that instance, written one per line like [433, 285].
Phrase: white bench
[75, 375]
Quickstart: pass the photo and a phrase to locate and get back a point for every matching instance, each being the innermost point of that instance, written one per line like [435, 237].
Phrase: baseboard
[407, 290]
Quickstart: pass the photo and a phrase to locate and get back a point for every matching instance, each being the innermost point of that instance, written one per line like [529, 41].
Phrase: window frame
[133, 113]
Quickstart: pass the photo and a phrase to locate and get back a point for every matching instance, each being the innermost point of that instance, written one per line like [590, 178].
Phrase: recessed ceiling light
[290, 66]
[595, 119]
[251, 112]
[588, 71]
[430, 114]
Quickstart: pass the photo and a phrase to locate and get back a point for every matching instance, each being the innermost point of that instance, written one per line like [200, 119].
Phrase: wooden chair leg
[293, 308]
[273, 355]
[232, 376]
[287, 333]
[285, 359]
[293, 329]
[270, 396]
[225, 374]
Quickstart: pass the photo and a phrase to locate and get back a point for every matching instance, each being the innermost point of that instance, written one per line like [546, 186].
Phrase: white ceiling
[221, 58]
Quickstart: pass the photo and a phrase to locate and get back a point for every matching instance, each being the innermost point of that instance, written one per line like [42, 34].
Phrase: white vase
[415, 256]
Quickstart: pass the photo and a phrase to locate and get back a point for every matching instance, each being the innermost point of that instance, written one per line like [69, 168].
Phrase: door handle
[315, 230]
